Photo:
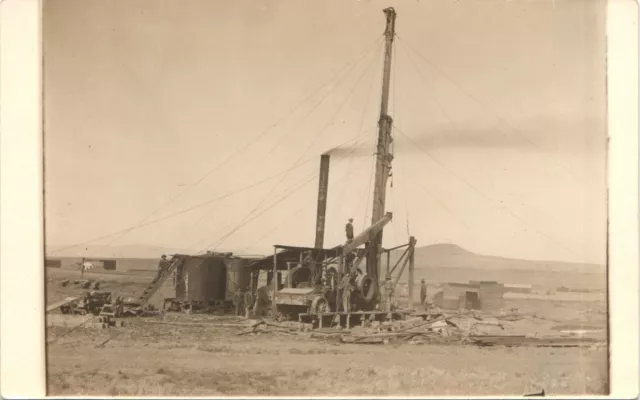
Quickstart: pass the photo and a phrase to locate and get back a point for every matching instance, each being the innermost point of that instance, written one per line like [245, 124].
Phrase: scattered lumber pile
[414, 330]
[435, 328]
[466, 328]
[262, 326]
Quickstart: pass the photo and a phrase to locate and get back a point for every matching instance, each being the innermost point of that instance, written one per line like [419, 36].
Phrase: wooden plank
[61, 303]
[363, 340]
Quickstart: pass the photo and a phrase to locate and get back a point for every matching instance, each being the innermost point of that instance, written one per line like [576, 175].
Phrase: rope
[305, 205]
[480, 103]
[306, 150]
[221, 240]
[279, 142]
[489, 199]
[183, 211]
[121, 233]
[361, 125]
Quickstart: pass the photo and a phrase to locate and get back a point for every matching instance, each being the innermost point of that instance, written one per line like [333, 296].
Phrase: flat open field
[203, 355]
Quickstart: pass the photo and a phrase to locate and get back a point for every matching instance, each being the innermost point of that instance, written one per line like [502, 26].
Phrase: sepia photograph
[325, 198]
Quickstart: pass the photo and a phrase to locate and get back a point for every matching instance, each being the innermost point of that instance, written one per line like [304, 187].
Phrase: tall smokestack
[323, 189]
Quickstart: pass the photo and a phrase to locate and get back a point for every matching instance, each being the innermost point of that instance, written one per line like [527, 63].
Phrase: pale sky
[507, 120]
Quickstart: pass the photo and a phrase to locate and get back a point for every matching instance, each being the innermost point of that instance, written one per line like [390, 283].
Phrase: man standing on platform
[346, 288]
[349, 230]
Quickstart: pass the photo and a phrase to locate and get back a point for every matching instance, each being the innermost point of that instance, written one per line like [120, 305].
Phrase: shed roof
[292, 254]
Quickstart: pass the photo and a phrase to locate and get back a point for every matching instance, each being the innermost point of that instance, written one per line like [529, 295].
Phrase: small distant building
[110, 265]
[49, 263]
[475, 295]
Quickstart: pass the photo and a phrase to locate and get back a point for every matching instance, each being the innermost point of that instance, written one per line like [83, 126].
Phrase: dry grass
[153, 359]
[183, 360]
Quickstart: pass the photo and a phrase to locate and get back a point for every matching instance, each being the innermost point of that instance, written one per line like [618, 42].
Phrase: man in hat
[423, 293]
[163, 265]
[349, 230]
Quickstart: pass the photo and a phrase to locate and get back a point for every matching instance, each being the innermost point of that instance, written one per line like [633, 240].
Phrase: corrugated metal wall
[201, 279]
[237, 275]
[214, 278]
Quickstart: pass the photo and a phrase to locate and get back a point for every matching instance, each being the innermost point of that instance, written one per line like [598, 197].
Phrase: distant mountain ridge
[442, 255]
[446, 255]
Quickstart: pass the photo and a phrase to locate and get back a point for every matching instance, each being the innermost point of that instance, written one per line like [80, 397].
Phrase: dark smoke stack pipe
[323, 189]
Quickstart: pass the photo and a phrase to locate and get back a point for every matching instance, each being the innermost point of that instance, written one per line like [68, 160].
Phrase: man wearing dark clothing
[349, 230]
[248, 303]
[262, 301]
[163, 265]
[423, 293]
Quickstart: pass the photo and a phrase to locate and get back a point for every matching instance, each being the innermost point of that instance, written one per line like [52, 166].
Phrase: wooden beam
[396, 248]
[412, 251]
[398, 262]
[404, 264]
[364, 236]
[274, 283]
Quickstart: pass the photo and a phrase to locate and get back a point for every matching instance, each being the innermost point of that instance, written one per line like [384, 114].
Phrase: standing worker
[423, 293]
[346, 288]
[349, 230]
[238, 300]
[261, 302]
[387, 294]
[248, 302]
[163, 265]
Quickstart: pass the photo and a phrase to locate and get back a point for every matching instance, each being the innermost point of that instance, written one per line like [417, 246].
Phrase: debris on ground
[512, 329]
[263, 326]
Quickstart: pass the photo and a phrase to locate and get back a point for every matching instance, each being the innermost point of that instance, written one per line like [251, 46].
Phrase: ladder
[158, 281]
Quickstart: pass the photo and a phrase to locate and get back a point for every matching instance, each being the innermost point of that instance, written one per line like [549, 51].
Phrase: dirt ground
[198, 355]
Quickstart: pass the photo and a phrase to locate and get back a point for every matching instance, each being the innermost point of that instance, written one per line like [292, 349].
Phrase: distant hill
[454, 256]
[431, 256]
[438, 262]
[452, 263]
[124, 251]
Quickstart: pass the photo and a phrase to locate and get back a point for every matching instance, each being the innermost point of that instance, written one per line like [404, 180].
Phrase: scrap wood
[325, 335]
[363, 339]
[524, 341]
[330, 330]
[278, 328]
[427, 324]
[200, 324]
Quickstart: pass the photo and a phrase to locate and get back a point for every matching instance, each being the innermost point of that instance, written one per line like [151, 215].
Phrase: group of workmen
[243, 302]
[249, 304]
[387, 289]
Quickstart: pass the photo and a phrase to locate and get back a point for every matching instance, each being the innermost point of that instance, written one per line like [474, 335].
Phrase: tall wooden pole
[384, 158]
[274, 283]
[412, 251]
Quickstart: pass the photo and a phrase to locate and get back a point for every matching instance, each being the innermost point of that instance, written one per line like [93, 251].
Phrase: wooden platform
[359, 316]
